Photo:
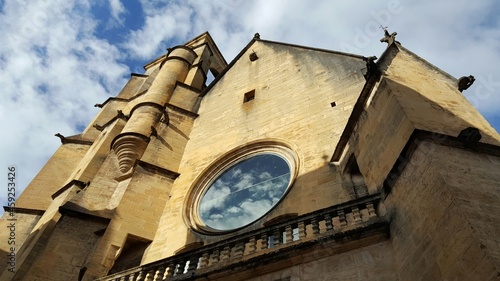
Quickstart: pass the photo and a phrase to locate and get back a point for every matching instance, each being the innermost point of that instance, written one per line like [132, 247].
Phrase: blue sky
[60, 57]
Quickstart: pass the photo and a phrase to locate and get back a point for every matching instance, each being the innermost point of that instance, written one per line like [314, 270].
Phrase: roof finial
[256, 36]
[388, 38]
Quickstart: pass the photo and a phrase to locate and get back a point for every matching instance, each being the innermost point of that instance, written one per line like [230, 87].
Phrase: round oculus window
[244, 192]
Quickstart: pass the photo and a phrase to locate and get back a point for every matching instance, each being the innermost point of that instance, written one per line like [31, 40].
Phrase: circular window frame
[204, 181]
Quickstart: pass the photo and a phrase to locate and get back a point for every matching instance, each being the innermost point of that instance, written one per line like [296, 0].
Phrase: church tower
[293, 163]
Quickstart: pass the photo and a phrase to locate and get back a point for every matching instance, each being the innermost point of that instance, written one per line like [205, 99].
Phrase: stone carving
[470, 137]
[128, 149]
[465, 82]
[121, 115]
[371, 66]
[154, 132]
[164, 118]
[98, 127]
[389, 38]
[63, 138]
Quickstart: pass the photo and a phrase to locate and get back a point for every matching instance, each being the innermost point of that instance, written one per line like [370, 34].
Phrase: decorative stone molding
[336, 225]
[128, 149]
[205, 179]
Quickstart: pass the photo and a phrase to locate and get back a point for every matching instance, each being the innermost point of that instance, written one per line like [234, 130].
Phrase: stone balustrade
[335, 222]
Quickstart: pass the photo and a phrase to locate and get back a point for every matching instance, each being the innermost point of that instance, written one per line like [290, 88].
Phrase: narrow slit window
[249, 96]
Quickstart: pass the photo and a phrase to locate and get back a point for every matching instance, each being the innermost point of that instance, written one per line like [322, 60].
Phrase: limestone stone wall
[294, 91]
[111, 106]
[435, 105]
[52, 177]
[102, 194]
[400, 103]
[375, 262]
[445, 215]
[166, 150]
[382, 132]
[66, 251]
[24, 223]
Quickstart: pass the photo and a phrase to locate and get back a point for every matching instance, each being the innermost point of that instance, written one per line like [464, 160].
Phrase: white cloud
[235, 173]
[265, 176]
[162, 23]
[52, 71]
[245, 180]
[214, 198]
[255, 209]
[235, 217]
[234, 210]
[216, 217]
[117, 10]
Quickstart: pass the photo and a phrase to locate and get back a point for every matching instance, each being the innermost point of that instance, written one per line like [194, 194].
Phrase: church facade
[294, 163]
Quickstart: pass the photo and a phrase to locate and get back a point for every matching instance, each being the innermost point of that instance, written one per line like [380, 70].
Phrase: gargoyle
[465, 82]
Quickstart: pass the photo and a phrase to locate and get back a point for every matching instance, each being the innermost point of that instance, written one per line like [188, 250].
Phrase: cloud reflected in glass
[245, 192]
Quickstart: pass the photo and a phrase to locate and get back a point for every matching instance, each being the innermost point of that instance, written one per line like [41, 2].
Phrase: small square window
[249, 96]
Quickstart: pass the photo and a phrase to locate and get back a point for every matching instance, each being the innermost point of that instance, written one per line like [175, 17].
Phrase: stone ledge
[19, 210]
[336, 229]
[421, 135]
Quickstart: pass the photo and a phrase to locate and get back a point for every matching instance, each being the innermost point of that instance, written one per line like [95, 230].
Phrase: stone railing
[334, 222]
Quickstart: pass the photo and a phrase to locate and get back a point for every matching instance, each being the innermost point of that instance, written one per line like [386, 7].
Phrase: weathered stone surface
[393, 137]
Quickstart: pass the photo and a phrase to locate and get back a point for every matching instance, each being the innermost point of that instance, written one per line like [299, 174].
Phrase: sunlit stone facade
[294, 163]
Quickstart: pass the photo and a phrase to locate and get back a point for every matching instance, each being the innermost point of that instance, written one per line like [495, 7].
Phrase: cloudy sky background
[60, 57]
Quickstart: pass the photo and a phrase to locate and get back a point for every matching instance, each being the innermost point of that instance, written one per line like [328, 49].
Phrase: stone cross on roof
[389, 38]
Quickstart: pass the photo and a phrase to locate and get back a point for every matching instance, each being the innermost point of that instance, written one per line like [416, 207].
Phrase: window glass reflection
[245, 192]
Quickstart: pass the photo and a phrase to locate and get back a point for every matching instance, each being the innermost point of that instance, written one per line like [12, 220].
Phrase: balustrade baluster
[170, 270]
[342, 219]
[328, 222]
[214, 257]
[238, 250]
[131, 277]
[225, 254]
[315, 226]
[140, 277]
[276, 237]
[371, 210]
[288, 234]
[159, 274]
[263, 244]
[179, 268]
[356, 215]
[204, 260]
[123, 278]
[302, 230]
[193, 263]
[252, 245]
[149, 276]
